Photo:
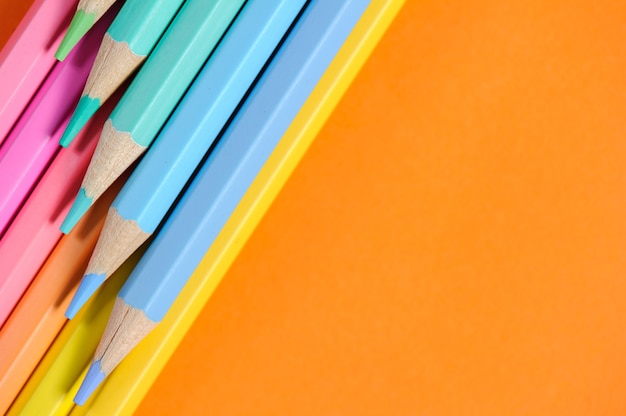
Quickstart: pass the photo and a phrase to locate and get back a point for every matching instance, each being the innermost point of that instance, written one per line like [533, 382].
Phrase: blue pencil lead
[87, 287]
[92, 380]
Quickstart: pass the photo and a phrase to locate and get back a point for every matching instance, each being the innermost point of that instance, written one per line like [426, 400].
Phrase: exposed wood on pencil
[118, 240]
[115, 152]
[95, 7]
[126, 327]
[114, 63]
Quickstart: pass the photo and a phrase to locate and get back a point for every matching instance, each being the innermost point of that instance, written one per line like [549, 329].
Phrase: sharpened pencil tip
[80, 24]
[88, 286]
[86, 108]
[80, 206]
[92, 380]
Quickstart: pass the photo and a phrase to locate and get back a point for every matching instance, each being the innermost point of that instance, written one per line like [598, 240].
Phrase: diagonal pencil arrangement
[212, 102]
[187, 136]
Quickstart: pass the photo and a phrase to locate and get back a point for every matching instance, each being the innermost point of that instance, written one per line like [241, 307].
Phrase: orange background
[452, 243]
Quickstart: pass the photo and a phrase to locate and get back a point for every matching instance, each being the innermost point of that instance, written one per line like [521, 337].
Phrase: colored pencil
[153, 94]
[127, 43]
[122, 392]
[27, 58]
[187, 136]
[38, 317]
[35, 231]
[223, 180]
[32, 144]
[88, 12]
[45, 392]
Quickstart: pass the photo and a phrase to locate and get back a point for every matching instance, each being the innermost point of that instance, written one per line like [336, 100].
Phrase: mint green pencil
[153, 94]
[88, 12]
[126, 45]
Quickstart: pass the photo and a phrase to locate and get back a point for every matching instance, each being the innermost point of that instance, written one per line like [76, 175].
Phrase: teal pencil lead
[88, 286]
[86, 108]
[80, 206]
[92, 380]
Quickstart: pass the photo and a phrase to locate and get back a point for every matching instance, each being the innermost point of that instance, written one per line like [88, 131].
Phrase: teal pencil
[186, 137]
[126, 45]
[152, 96]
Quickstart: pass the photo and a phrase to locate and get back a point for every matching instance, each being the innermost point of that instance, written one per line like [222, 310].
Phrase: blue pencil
[222, 181]
[160, 177]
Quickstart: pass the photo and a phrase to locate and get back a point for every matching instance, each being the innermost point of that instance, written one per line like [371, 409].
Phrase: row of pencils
[180, 119]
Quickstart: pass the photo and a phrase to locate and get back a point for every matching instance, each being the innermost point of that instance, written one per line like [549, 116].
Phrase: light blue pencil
[222, 181]
[189, 133]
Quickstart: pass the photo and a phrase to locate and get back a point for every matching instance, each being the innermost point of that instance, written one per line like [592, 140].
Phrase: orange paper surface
[11, 12]
[452, 243]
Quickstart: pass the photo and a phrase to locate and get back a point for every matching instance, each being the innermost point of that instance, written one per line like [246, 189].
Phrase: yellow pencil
[50, 387]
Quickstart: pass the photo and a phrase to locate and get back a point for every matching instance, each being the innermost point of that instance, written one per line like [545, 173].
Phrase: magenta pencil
[28, 56]
[33, 142]
[35, 231]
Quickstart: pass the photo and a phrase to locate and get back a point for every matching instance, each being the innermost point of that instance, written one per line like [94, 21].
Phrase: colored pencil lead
[86, 288]
[86, 108]
[88, 12]
[92, 380]
[79, 208]
[81, 23]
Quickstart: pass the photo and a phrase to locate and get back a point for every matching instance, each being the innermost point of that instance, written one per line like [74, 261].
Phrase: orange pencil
[39, 315]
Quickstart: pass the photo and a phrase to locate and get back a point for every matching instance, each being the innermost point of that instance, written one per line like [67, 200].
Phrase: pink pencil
[28, 57]
[35, 231]
[33, 142]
